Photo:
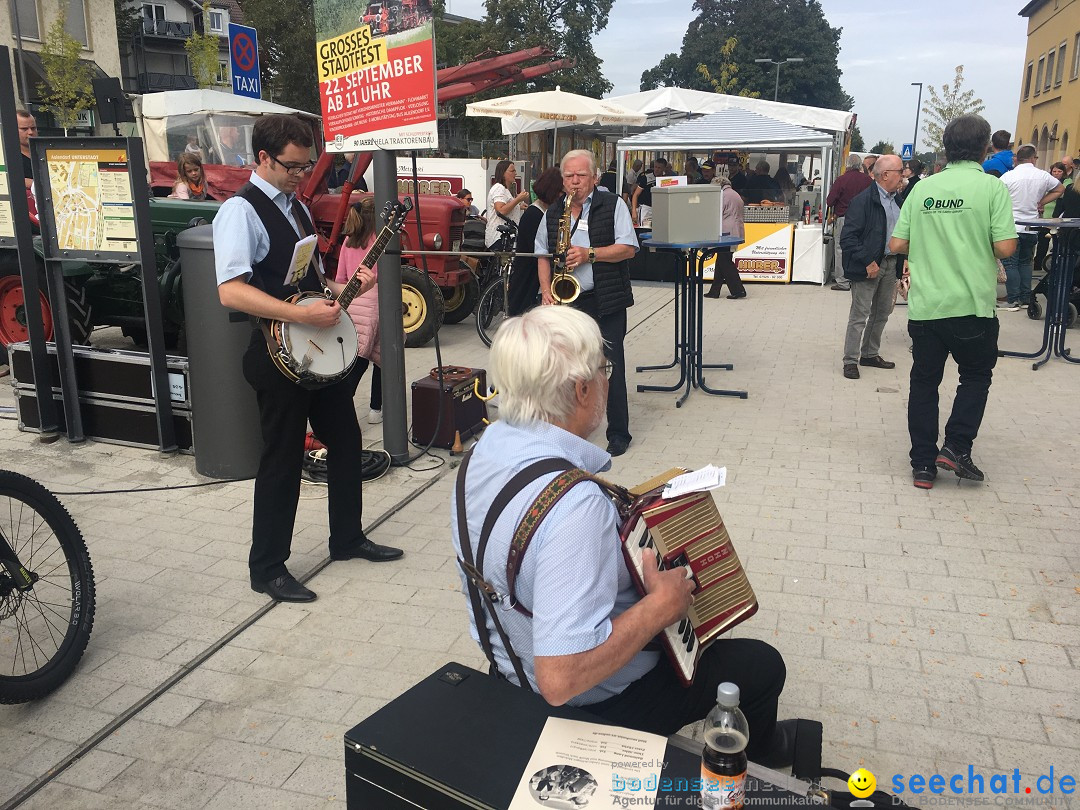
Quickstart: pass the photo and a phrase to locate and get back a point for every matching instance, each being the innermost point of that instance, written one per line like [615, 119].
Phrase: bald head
[889, 172]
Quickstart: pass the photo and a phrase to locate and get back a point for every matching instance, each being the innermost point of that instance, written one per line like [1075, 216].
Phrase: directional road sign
[244, 52]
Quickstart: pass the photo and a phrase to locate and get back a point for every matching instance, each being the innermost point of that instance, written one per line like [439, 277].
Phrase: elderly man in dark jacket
[870, 267]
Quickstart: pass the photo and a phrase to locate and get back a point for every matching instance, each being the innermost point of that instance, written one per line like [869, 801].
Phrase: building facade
[24, 25]
[1049, 114]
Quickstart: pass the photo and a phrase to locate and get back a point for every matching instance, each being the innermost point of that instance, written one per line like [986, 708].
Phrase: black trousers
[724, 272]
[658, 703]
[285, 408]
[613, 331]
[972, 342]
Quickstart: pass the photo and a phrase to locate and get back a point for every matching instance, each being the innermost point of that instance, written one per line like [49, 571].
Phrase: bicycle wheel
[491, 310]
[45, 628]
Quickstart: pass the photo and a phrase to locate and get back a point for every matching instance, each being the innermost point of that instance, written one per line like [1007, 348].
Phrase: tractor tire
[460, 301]
[13, 324]
[422, 307]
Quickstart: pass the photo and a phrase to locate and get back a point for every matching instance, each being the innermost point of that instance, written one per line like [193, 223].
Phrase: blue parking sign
[244, 52]
[907, 151]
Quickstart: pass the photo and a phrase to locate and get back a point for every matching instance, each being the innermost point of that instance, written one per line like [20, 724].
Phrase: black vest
[611, 281]
[269, 274]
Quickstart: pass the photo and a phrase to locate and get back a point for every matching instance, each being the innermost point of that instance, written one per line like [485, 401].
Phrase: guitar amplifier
[463, 411]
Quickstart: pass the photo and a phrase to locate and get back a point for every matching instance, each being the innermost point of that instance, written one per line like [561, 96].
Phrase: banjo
[314, 356]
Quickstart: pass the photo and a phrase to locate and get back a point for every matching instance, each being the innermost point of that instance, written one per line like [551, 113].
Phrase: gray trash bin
[224, 413]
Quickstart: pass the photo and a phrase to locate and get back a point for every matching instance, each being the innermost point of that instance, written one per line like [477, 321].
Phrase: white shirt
[1027, 185]
[499, 194]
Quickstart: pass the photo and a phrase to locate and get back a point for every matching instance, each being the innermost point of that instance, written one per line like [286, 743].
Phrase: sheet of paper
[577, 764]
[301, 260]
[708, 477]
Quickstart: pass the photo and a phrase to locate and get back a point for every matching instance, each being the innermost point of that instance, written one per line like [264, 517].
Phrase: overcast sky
[881, 53]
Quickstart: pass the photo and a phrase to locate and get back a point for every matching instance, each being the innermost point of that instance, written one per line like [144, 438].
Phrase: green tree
[286, 49]
[774, 29]
[128, 23]
[942, 108]
[856, 139]
[883, 148]
[727, 80]
[202, 51]
[68, 88]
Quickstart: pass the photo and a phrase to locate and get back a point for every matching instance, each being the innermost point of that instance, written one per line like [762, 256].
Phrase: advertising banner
[376, 69]
[764, 256]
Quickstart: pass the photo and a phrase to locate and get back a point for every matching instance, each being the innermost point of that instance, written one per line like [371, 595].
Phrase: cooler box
[686, 213]
[462, 410]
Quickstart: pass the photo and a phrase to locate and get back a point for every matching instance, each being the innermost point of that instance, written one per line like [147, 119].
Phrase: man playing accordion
[565, 618]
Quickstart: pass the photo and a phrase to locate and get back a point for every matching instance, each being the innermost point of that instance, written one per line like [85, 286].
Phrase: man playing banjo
[255, 233]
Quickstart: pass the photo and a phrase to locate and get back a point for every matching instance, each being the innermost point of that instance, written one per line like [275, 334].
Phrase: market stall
[769, 252]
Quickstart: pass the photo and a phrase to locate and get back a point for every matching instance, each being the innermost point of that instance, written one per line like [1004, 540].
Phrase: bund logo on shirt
[930, 204]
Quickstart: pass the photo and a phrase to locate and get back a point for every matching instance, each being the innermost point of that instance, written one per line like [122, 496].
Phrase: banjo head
[319, 353]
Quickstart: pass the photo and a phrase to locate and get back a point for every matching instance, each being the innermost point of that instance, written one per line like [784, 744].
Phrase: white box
[686, 213]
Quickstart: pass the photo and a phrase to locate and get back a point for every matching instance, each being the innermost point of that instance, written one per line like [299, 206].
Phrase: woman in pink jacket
[724, 269]
[359, 233]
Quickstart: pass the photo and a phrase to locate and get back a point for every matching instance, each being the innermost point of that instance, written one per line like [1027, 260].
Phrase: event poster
[7, 223]
[577, 764]
[90, 196]
[375, 61]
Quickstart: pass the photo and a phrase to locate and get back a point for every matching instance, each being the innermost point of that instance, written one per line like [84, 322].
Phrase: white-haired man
[579, 631]
[602, 243]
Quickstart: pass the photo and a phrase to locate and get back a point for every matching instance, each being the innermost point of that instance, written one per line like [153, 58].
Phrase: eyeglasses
[468, 199]
[293, 170]
[606, 369]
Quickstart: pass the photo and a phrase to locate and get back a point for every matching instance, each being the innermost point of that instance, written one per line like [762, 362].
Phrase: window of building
[1027, 80]
[1049, 70]
[217, 21]
[1060, 66]
[1076, 58]
[1039, 74]
[28, 19]
[222, 73]
[75, 22]
[1065, 144]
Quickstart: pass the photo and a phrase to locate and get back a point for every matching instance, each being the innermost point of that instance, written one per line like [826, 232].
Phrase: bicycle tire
[60, 605]
[490, 311]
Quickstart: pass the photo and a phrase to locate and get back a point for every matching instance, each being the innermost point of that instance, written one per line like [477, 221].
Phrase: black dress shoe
[712, 294]
[877, 361]
[737, 296]
[284, 589]
[616, 447]
[782, 751]
[367, 550]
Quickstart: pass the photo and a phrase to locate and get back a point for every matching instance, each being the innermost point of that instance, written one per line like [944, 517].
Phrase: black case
[462, 739]
[462, 410]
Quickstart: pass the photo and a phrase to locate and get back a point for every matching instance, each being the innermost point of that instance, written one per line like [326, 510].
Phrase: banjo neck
[352, 289]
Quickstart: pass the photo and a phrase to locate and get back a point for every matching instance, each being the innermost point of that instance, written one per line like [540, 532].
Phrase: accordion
[688, 532]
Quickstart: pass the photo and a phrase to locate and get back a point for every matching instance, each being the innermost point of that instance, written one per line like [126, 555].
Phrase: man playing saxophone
[601, 243]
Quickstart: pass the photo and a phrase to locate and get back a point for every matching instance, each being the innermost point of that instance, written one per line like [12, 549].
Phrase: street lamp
[778, 63]
[918, 107]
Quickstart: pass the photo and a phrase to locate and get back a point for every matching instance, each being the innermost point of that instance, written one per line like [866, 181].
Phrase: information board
[7, 223]
[376, 69]
[88, 200]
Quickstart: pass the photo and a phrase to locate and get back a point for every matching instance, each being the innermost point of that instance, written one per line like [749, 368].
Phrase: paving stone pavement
[928, 631]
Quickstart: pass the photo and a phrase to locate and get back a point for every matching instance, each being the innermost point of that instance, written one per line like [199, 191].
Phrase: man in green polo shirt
[957, 223]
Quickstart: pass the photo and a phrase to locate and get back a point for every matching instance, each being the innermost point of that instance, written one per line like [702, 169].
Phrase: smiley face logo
[862, 783]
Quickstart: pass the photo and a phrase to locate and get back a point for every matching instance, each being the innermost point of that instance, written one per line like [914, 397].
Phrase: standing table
[1066, 250]
[689, 300]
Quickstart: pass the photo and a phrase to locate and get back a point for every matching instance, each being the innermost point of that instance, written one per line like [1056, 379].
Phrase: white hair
[536, 360]
[579, 153]
[854, 161]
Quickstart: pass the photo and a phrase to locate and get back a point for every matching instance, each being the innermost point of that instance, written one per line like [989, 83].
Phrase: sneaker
[374, 417]
[1009, 306]
[959, 463]
[923, 477]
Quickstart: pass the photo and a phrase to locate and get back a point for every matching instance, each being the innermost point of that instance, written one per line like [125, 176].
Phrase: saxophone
[564, 287]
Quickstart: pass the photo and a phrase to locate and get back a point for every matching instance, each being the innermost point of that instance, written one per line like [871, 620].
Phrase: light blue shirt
[892, 214]
[624, 235]
[240, 238]
[573, 576]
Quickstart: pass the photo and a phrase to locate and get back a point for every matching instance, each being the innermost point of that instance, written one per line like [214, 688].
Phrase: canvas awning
[732, 128]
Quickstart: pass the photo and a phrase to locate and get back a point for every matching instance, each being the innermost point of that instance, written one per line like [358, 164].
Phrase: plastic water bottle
[723, 760]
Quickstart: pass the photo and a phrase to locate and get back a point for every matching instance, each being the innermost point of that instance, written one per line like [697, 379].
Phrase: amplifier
[108, 420]
[107, 374]
[462, 410]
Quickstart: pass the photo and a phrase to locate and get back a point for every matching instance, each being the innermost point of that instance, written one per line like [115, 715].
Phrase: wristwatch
[592, 255]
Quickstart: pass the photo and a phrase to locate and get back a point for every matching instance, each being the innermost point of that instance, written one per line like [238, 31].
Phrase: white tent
[732, 128]
[191, 102]
[667, 102]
